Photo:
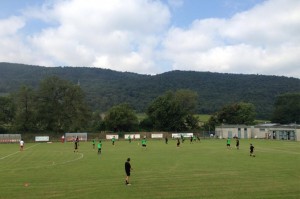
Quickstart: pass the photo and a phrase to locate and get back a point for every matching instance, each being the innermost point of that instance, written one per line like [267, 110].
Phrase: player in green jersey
[144, 142]
[93, 141]
[228, 143]
[99, 147]
[113, 140]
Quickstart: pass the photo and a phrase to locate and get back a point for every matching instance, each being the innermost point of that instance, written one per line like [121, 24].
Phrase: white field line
[50, 165]
[18, 151]
[279, 150]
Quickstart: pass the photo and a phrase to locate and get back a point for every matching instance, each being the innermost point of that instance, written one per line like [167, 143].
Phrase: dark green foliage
[236, 113]
[61, 107]
[106, 88]
[121, 118]
[26, 110]
[287, 109]
[173, 111]
[7, 114]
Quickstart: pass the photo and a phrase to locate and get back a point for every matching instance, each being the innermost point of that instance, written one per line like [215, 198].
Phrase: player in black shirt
[127, 171]
[237, 143]
[252, 150]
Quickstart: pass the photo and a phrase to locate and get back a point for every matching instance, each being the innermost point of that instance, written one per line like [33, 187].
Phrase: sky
[154, 36]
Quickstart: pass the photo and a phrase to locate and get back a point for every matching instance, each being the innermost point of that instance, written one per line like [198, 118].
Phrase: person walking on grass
[178, 142]
[76, 144]
[93, 141]
[237, 143]
[99, 147]
[144, 142]
[128, 169]
[113, 141]
[252, 150]
[21, 145]
[228, 143]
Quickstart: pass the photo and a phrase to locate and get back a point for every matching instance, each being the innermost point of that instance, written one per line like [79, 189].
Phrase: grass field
[203, 169]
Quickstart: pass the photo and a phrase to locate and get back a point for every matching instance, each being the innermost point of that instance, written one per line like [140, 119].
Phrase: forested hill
[105, 88]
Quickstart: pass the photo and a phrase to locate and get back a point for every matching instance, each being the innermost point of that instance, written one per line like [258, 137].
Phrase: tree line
[59, 106]
[106, 88]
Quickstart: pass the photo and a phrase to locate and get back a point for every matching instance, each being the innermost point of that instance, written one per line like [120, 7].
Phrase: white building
[267, 131]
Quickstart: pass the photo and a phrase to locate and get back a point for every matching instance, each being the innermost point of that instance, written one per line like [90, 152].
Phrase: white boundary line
[18, 151]
[280, 150]
[50, 165]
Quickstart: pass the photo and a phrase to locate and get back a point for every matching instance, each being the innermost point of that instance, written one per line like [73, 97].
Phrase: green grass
[199, 170]
[203, 117]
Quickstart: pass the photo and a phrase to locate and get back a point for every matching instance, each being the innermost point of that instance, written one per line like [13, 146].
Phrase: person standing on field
[93, 141]
[113, 140]
[144, 142]
[178, 142]
[99, 147]
[127, 171]
[228, 143]
[21, 145]
[252, 150]
[76, 144]
[237, 143]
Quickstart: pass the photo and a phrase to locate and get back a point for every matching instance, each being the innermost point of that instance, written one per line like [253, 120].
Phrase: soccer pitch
[203, 169]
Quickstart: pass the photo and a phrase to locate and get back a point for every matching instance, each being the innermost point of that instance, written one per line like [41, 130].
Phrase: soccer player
[166, 140]
[21, 145]
[129, 139]
[76, 143]
[228, 143]
[237, 145]
[144, 142]
[191, 139]
[99, 147]
[93, 141]
[127, 171]
[178, 142]
[194, 138]
[113, 140]
[252, 150]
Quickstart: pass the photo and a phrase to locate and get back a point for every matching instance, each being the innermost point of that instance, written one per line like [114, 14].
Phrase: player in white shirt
[21, 145]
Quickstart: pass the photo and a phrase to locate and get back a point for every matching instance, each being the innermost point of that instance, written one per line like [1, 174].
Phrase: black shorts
[228, 144]
[143, 145]
[128, 173]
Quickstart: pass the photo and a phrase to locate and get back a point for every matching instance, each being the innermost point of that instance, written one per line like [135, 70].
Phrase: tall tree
[173, 111]
[237, 113]
[7, 114]
[25, 110]
[121, 118]
[61, 106]
[287, 108]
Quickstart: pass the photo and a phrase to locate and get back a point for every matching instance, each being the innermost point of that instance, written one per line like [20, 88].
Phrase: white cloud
[136, 36]
[114, 34]
[262, 40]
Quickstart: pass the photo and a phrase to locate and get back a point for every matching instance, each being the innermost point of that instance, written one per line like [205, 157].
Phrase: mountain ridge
[105, 87]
